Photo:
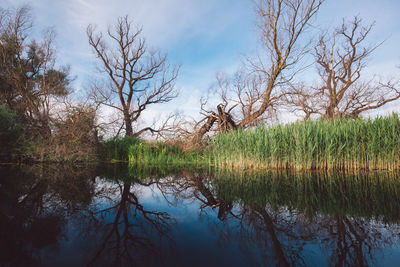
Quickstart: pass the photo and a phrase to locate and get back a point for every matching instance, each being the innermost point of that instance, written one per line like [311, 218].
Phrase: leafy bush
[11, 133]
[74, 138]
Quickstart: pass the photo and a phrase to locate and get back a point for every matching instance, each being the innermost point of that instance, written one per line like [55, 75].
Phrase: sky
[203, 37]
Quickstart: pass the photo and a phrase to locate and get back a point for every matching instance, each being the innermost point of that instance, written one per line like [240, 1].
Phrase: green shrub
[73, 138]
[11, 133]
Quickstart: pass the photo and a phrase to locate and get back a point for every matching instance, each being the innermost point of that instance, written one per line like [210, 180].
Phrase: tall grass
[345, 144]
[161, 153]
[117, 149]
[133, 151]
[339, 144]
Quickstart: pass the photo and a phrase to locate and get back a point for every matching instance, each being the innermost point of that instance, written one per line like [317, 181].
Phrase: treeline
[43, 122]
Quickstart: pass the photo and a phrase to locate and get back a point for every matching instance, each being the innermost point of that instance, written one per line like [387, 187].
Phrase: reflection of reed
[360, 195]
[340, 212]
[281, 213]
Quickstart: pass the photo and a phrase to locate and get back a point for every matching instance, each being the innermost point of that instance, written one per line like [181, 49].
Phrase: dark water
[114, 215]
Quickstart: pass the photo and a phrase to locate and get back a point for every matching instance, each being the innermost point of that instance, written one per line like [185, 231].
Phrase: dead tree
[302, 99]
[281, 24]
[136, 77]
[340, 62]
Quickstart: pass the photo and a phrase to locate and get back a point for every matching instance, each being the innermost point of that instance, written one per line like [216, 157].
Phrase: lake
[114, 214]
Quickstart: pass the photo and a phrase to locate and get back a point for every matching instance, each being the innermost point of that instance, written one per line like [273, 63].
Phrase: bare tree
[281, 24]
[239, 96]
[340, 62]
[136, 77]
[302, 99]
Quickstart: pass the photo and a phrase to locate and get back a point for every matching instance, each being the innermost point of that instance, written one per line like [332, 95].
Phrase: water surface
[116, 215]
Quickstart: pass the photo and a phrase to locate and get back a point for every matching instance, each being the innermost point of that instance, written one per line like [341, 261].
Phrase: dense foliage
[11, 133]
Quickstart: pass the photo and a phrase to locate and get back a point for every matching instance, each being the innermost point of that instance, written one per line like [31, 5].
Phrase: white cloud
[204, 36]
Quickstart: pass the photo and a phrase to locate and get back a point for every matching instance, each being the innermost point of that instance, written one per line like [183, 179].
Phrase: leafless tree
[302, 99]
[281, 24]
[340, 61]
[136, 77]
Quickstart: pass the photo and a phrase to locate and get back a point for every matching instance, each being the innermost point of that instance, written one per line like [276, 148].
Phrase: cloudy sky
[202, 36]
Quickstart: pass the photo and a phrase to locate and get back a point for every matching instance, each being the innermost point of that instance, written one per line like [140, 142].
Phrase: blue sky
[203, 36]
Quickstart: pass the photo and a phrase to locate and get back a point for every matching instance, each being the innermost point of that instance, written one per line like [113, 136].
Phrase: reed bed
[134, 151]
[117, 149]
[161, 153]
[343, 144]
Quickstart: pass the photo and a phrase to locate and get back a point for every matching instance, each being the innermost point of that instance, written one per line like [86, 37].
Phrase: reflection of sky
[199, 238]
[203, 36]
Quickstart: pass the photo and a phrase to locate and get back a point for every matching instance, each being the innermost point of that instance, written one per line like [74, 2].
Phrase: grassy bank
[340, 144]
[344, 144]
[133, 151]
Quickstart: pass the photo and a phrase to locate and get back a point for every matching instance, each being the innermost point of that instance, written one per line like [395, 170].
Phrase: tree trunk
[128, 124]
[330, 114]
[204, 129]
[225, 120]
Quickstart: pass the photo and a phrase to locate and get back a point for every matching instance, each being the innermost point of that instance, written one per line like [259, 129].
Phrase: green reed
[161, 153]
[367, 195]
[134, 151]
[338, 144]
[117, 149]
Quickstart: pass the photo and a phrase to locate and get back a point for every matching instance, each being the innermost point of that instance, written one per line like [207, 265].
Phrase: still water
[118, 215]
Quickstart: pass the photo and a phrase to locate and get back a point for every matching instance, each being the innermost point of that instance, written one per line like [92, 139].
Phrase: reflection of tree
[128, 229]
[351, 241]
[255, 223]
[196, 185]
[354, 242]
[266, 217]
[22, 222]
[279, 236]
[32, 211]
[36, 205]
[274, 220]
[348, 241]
